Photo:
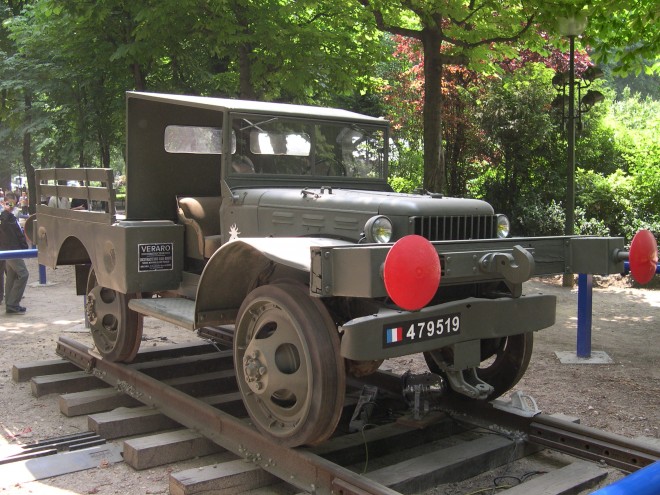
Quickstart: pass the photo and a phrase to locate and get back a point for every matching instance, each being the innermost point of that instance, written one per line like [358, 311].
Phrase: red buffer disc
[411, 272]
[643, 256]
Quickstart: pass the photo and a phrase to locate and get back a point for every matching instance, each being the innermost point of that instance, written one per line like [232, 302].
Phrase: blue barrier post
[645, 481]
[585, 303]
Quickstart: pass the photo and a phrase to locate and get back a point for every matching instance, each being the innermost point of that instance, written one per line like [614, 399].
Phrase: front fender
[233, 269]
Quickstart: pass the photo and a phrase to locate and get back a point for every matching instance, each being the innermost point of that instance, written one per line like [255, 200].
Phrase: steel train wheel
[116, 330]
[503, 361]
[288, 366]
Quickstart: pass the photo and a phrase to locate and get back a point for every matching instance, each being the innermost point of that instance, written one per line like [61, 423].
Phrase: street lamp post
[571, 27]
[570, 164]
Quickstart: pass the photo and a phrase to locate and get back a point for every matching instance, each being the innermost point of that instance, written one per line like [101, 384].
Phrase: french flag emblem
[394, 335]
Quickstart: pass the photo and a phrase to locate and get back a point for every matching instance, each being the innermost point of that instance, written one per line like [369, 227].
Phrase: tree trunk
[435, 179]
[246, 89]
[27, 154]
[138, 77]
[104, 150]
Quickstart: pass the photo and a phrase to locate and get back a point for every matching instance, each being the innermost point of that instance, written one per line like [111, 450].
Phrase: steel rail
[298, 467]
[590, 443]
[566, 436]
[559, 434]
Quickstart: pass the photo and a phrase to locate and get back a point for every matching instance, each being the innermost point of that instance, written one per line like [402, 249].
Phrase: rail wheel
[503, 361]
[288, 366]
[116, 330]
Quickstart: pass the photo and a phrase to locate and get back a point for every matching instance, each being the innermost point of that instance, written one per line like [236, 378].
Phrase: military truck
[277, 222]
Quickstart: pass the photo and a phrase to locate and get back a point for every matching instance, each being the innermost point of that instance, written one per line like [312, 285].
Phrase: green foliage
[635, 124]
[625, 36]
[406, 166]
[77, 58]
[538, 219]
[526, 173]
[605, 199]
[64, 67]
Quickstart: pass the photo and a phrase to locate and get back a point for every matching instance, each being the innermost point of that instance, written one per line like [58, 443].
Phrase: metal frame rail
[298, 467]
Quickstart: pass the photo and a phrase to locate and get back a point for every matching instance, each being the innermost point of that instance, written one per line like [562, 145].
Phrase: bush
[535, 219]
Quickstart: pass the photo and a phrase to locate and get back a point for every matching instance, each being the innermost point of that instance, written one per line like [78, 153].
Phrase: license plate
[420, 330]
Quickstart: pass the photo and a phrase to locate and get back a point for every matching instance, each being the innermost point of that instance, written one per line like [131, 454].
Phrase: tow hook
[516, 267]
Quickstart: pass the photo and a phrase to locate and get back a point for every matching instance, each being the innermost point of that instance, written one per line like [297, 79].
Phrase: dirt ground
[621, 397]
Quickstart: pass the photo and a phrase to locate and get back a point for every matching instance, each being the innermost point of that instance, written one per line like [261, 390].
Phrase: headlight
[378, 229]
[503, 226]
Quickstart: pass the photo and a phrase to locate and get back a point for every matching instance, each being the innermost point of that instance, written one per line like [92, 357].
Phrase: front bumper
[364, 338]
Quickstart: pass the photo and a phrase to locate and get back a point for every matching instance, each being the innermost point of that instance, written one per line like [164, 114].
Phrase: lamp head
[590, 99]
[560, 80]
[573, 25]
[592, 73]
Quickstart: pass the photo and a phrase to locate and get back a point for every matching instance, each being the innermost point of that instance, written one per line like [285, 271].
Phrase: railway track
[190, 393]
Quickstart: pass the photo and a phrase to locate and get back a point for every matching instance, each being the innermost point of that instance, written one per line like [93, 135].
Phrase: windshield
[277, 145]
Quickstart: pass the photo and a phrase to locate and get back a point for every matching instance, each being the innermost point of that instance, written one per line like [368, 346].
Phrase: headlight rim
[502, 221]
[370, 225]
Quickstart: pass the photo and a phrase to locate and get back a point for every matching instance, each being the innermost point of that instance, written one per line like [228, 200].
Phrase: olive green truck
[277, 221]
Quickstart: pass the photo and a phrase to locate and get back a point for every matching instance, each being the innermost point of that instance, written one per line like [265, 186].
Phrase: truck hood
[365, 202]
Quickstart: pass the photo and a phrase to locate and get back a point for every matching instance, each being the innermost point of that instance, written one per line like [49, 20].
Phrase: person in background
[2, 262]
[12, 238]
[13, 199]
[25, 203]
[55, 202]
[2, 280]
[79, 204]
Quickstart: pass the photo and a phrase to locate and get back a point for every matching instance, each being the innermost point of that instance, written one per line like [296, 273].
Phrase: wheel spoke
[295, 384]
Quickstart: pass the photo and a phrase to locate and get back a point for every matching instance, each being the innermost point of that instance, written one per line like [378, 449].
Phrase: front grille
[455, 228]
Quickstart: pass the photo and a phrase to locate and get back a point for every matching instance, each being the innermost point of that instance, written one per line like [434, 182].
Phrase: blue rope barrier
[626, 267]
[25, 253]
[18, 254]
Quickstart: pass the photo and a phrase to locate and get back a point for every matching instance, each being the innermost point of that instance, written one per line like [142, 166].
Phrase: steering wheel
[332, 164]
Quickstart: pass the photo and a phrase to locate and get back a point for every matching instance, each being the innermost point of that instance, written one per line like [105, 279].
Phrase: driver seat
[201, 217]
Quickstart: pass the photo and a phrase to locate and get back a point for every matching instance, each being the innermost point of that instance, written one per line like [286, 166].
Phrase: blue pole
[626, 267]
[18, 253]
[25, 253]
[645, 481]
[585, 300]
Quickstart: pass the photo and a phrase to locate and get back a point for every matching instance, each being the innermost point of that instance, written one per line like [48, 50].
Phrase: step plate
[176, 310]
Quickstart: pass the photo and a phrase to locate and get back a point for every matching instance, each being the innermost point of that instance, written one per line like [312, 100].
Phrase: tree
[454, 33]
[78, 58]
[478, 32]
[16, 115]
[628, 37]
